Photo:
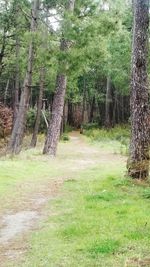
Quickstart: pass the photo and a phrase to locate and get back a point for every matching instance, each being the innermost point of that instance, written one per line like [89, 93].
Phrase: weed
[65, 137]
[103, 247]
[146, 193]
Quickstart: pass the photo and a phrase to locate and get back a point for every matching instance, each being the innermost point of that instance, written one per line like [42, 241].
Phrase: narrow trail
[24, 214]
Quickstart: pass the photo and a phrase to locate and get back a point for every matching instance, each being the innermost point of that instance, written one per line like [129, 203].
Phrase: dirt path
[17, 221]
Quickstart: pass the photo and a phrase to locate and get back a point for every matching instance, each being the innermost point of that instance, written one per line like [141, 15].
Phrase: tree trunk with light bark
[54, 128]
[138, 162]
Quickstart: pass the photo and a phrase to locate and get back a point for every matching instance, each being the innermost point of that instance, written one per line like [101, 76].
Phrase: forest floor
[74, 210]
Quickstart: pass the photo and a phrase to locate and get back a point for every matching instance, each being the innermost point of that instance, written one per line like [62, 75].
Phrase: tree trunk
[114, 109]
[138, 163]
[118, 108]
[92, 110]
[53, 133]
[16, 95]
[39, 107]
[122, 108]
[16, 139]
[84, 99]
[6, 92]
[108, 104]
[56, 116]
[2, 51]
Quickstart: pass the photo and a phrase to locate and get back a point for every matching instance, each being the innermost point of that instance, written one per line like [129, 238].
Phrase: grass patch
[103, 247]
[119, 134]
[99, 220]
[106, 196]
[146, 193]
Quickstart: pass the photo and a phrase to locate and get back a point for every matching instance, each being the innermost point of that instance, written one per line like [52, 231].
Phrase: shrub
[65, 137]
[118, 133]
[31, 116]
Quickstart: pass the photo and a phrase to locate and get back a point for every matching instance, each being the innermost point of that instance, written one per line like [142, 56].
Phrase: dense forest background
[74, 73]
[97, 63]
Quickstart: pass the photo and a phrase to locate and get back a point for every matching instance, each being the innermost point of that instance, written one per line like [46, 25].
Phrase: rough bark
[53, 133]
[39, 107]
[138, 163]
[56, 116]
[16, 139]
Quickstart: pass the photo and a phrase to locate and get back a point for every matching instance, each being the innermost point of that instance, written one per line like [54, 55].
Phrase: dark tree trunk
[2, 51]
[84, 99]
[117, 109]
[92, 109]
[138, 163]
[53, 134]
[39, 107]
[16, 139]
[70, 114]
[16, 94]
[122, 109]
[114, 110]
[108, 122]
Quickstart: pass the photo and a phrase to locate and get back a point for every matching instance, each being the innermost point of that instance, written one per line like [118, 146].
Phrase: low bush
[120, 134]
[31, 116]
[65, 137]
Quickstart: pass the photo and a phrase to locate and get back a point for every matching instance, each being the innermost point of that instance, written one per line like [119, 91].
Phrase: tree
[59, 97]
[138, 163]
[39, 108]
[108, 105]
[16, 139]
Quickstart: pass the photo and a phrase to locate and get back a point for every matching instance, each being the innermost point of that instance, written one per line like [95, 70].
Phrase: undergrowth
[120, 134]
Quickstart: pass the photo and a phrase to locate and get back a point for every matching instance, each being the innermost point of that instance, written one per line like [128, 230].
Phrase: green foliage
[146, 193]
[65, 137]
[119, 133]
[68, 128]
[99, 46]
[31, 116]
[90, 126]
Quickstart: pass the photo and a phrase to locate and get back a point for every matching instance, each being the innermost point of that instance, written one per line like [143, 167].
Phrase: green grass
[117, 137]
[100, 219]
[17, 171]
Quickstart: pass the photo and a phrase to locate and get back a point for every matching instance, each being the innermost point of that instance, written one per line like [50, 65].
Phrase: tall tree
[16, 139]
[39, 108]
[59, 97]
[108, 121]
[138, 163]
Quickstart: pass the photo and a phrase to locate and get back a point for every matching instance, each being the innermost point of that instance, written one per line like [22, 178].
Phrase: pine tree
[16, 139]
[138, 163]
[59, 98]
